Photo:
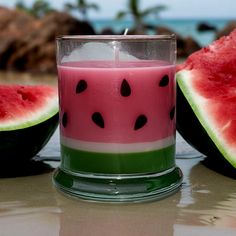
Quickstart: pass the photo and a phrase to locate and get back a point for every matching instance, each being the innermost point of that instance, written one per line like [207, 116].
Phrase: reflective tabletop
[30, 205]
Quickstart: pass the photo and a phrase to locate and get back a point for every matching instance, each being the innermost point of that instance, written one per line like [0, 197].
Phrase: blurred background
[28, 27]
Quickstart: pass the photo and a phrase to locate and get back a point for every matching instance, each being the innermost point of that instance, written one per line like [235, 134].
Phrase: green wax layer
[117, 163]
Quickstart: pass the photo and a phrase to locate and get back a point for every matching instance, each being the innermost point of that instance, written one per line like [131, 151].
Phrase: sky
[176, 8]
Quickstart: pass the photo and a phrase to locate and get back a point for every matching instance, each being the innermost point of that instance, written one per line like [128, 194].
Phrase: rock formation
[226, 30]
[28, 44]
[185, 45]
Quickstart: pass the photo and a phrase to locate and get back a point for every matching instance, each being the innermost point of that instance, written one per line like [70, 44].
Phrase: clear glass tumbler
[117, 98]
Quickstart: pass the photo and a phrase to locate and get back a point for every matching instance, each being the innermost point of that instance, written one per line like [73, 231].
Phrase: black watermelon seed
[64, 119]
[81, 86]
[140, 122]
[125, 89]
[172, 113]
[98, 119]
[164, 81]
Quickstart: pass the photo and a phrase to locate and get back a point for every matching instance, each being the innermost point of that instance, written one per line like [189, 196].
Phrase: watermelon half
[206, 101]
[28, 118]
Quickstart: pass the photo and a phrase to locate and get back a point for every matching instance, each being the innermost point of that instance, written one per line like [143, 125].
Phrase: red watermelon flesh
[25, 105]
[208, 81]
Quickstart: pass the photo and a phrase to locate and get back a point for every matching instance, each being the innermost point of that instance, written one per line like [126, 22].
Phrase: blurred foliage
[82, 6]
[138, 14]
[38, 9]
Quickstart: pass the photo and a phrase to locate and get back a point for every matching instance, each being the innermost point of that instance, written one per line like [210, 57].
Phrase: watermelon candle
[117, 118]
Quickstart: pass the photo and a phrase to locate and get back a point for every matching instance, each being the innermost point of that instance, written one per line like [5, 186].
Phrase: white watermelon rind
[50, 109]
[197, 102]
[117, 147]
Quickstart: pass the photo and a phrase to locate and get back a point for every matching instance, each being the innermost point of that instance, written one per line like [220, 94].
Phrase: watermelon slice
[28, 118]
[206, 100]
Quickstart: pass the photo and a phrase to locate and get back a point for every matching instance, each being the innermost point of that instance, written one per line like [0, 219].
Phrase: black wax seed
[164, 81]
[172, 113]
[98, 119]
[81, 86]
[64, 119]
[140, 122]
[125, 89]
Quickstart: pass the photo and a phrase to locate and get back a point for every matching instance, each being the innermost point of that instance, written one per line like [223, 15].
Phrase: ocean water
[184, 27]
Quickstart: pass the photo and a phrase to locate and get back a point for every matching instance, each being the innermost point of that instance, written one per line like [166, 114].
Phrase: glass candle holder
[117, 97]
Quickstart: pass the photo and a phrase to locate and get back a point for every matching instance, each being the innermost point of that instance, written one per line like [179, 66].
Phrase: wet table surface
[30, 205]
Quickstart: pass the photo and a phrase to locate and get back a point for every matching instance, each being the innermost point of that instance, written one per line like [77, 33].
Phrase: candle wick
[126, 31]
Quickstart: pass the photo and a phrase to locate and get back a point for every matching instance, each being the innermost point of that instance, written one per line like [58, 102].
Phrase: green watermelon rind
[50, 110]
[23, 144]
[181, 78]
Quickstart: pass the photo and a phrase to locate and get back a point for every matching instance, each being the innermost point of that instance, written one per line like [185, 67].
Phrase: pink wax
[101, 93]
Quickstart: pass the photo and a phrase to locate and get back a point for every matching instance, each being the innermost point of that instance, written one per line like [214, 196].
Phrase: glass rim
[116, 37]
